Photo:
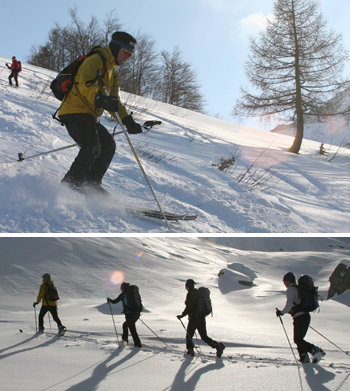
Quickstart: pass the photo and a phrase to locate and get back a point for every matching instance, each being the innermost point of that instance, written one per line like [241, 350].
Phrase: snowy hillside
[237, 179]
[332, 132]
[257, 354]
[328, 130]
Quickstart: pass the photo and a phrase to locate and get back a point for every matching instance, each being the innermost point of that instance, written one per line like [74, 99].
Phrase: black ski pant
[15, 75]
[198, 323]
[53, 311]
[301, 324]
[97, 148]
[130, 325]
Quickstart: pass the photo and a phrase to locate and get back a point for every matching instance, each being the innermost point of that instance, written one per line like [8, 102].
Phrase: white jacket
[292, 300]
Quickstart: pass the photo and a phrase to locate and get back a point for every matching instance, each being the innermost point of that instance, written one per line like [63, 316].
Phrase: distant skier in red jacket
[15, 69]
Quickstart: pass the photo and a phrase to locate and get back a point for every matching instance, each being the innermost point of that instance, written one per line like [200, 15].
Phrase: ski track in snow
[257, 355]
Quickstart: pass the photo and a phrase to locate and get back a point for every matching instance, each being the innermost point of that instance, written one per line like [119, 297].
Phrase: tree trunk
[295, 148]
[298, 95]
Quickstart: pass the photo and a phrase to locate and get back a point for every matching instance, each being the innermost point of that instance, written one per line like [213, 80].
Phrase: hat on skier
[289, 277]
[124, 285]
[46, 276]
[122, 40]
[189, 283]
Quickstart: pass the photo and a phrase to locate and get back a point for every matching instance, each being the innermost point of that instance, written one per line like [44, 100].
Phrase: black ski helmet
[289, 277]
[121, 40]
[189, 283]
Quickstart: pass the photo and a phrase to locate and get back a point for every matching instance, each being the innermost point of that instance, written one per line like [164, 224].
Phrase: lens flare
[265, 158]
[117, 277]
[334, 123]
[139, 254]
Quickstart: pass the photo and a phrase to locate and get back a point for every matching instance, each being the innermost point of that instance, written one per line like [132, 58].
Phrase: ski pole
[199, 347]
[115, 328]
[160, 339]
[199, 353]
[36, 322]
[21, 156]
[49, 321]
[117, 118]
[347, 353]
[285, 332]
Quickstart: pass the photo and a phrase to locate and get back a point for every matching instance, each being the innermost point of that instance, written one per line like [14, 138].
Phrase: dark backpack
[19, 68]
[134, 298]
[308, 294]
[204, 306]
[63, 82]
[52, 293]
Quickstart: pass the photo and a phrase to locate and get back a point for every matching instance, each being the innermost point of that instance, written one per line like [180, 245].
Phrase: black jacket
[128, 300]
[192, 303]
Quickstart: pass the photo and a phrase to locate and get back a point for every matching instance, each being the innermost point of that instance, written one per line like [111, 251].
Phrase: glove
[150, 124]
[109, 103]
[179, 316]
[108, 299]
[278, 313]
[132, 126]
[35, 303]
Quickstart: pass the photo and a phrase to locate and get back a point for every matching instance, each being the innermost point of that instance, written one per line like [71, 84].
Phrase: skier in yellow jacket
[49, 304]
[86, 102]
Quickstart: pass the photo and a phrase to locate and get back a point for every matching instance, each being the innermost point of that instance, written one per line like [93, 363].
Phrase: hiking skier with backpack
[196, 311]
[48, 295]
[84, 104]
[15, 69]
[132, 307]
[299, 305]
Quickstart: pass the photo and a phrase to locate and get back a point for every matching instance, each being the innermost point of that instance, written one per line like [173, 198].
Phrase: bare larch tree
[295, 66]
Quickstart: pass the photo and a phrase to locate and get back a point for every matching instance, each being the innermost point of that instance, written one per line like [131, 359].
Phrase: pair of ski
[152, 213]
[156, 214]
[60, 333]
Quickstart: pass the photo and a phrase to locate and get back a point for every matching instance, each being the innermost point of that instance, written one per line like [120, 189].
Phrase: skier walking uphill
[15, 68]
[86, 102]
[301, 321]
[196, 321]
[48, 296]
[132, 307]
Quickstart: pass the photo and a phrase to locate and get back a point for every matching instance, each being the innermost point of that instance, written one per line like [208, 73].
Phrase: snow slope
[257, 355]
[331, 131]
[277, 191]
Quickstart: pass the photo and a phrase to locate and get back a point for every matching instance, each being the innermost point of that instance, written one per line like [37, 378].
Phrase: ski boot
[94, 187]
[304, 358]
[219, 349]
[61, 331]
[317, 354]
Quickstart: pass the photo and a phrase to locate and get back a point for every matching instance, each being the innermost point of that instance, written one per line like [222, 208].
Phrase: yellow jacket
[43, 295]
[81, 98]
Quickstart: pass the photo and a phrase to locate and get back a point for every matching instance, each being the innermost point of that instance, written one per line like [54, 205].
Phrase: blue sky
[211, 34]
